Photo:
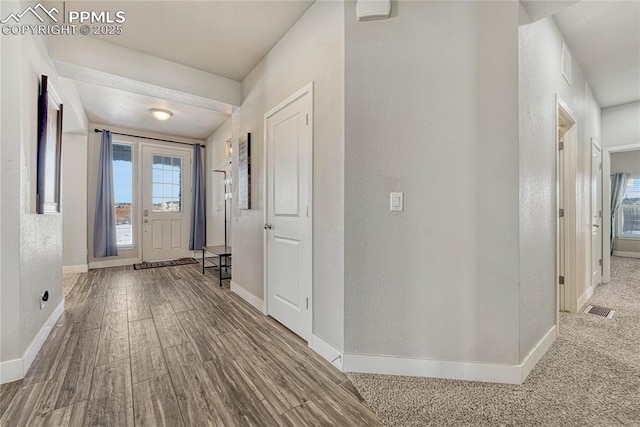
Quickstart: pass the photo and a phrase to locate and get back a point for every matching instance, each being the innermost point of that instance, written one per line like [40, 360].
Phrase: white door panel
[166, 203]
[286, 167]
[288, 256]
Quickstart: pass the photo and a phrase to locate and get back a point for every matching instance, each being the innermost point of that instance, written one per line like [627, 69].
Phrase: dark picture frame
[49, 149]
[244, 171]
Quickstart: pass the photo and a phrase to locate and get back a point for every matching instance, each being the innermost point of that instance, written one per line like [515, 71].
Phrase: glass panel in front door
[167, 183]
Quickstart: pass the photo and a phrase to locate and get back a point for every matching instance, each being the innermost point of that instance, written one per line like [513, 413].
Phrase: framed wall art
[244, 171]
[49, 149]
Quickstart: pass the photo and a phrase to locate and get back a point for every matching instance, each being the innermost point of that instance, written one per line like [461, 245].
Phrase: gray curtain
[197, 234]
[618, 187]
[105, 242]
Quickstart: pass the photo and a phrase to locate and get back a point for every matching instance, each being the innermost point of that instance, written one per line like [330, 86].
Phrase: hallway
[167, 346]
[590, 375]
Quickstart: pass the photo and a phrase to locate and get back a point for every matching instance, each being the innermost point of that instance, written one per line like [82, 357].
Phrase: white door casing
[596, 214]
[166, 202]
[566, 170]
[288, 212]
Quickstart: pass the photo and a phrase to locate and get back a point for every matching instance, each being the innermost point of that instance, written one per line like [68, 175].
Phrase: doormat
[170, 263]
[599, 311]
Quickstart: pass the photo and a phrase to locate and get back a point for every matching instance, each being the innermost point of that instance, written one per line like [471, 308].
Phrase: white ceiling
[225, 38]
[604, 38]
[115, 107]
[228, 38]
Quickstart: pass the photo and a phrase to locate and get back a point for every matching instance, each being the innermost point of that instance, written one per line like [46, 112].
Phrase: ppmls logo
[33, 11]
[102, 22]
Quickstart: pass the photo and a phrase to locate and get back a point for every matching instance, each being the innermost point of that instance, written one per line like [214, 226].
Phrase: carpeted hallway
[589, 377]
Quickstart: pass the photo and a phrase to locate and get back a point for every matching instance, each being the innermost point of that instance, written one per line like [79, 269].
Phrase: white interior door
[288, 235]
[596, 213]
[166, 202]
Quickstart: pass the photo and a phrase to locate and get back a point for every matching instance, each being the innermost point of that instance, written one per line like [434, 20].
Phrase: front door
[288, 261]
[166, 203]
[596, 214]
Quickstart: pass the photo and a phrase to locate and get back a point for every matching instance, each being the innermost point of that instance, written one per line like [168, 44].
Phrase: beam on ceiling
[96, 61]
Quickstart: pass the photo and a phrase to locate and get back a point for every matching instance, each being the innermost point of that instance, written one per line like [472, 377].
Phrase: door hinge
[307, 119]
[600, 214]
[307, 303]
[561, 145]
[561, 213]
[562, 280]
[307, 211]
[600, 262]
[600, 166]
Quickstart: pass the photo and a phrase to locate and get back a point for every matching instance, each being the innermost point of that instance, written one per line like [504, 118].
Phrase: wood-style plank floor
[168, 346]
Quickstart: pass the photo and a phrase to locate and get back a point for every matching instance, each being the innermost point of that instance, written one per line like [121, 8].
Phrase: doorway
[625, 150]
[166, 202]
[566, 165]
[288, 236]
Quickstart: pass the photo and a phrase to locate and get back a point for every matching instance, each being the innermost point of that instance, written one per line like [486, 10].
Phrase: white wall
[540, 80]
[313, 50]
[627, 161]
[216, 158]
[10, 143]
[74, 202]
[621, 125]
[432, 110]
[31, 243]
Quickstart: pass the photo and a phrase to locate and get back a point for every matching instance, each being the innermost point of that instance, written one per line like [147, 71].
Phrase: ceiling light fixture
[161, 114]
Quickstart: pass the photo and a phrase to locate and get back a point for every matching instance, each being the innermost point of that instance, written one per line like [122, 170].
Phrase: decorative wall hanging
[244, 171]
[49, 149]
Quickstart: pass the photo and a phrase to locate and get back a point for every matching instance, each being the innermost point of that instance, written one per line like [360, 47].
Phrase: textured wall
[540, 80]
[432, 110]
[10, 134]
[313, 50]
[537, 182]
[74, 199]
[215, 157]
[31, 243]
[40, 235]
[621, 125]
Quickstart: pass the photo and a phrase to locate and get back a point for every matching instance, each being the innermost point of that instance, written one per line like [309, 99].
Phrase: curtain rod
[153, 139]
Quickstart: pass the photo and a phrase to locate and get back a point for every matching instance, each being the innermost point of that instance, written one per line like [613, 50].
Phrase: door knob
[146, 220]
[268, 226]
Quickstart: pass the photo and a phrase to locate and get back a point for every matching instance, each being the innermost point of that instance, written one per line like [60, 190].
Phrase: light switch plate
[396, 202]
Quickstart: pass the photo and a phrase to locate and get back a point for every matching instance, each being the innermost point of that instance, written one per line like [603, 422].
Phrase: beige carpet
[589, 377]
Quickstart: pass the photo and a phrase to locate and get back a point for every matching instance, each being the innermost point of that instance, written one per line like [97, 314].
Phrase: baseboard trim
[69, 269]
[113, 263]
[16, 369]
[585, 297]
[404, 366]
[537, 352]
[38, 341]
[327, 351]
[627, 254]
[11, 370]
[433, 368]
[248, 297]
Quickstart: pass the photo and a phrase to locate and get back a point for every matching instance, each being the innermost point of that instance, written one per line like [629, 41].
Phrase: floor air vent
[599, 311]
